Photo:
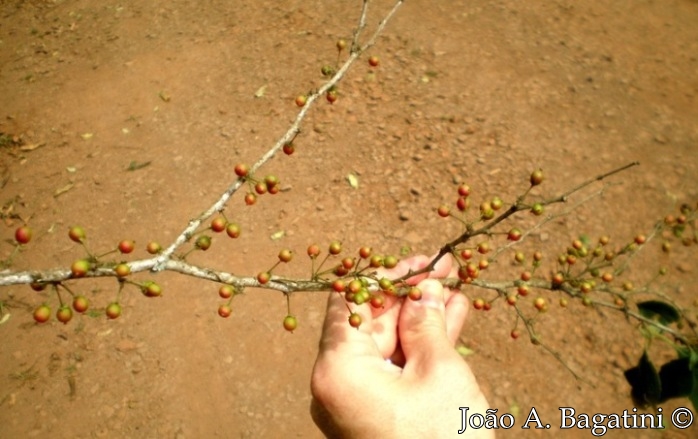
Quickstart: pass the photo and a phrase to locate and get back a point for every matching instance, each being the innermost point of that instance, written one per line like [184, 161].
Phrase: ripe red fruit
[313, 251]
[23, 235]
[373, 61]
[250, 198]
[285, 255]
[233, 230]
[463, 204]
[377, 301]
[264, 277]
[80, 304]
[483, 264]
[523, 290]
[80, 268]
[153, 248]
[348, 263]
[558, 279]
[38, 286]
[607, 277]
[290, 323]
[515, 333]
[241, 170]
[479, 304]
[126, 246]
[414, 293]
[340, 271]
[64, 314]
[203, 242]
[335, 248]
[289, 148]
[332, 96]
[536, 177]
[225, 311]
[301, 100]
[640, 239]
[151, 289]
[260, 188]
[113, 310]
[463, 190]
[354, 320]
[511, 299]
[42, 314]
[514, 234]
[338, 286]
[443, 211]
[218, 224]
[122, 270]
[226, 291]
[365, 252]
[466, 254]
[77, 234]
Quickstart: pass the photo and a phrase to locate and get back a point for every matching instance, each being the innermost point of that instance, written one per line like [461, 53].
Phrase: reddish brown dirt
[474, 91]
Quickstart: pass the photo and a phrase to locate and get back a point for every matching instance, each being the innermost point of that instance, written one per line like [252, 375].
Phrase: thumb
[422, 329]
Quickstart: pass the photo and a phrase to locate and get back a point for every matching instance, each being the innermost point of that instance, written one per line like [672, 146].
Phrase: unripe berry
[377, 301]
[496, 203]
[607, 277]
[390, 262]
[519, 257]
[483, 247]
[77, 234]
[341, 44]
[203, 242]
[113, 310]
[42, 314]
[80, 268]
[376, 261]
[443, 211]
[285, 255]
[260, 188]
[335, 248]
[537, 209]
[466, 254]
[122, 270]
[80, 304]
[365, 252]
[414, 293]
[263, 277]
[301, 100]
[153, 248]
[290, 323]
[536, 177]
[151, 289]
[232, 230]
[540, 303]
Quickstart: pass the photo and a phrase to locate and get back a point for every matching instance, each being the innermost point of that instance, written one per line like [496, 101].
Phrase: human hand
[357, 393]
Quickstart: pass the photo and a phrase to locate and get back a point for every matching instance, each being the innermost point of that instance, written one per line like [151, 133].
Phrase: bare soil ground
[475, 91]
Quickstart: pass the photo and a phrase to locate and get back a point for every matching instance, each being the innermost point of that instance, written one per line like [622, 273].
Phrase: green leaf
[646, 387]
[661, 311]
[676, 378]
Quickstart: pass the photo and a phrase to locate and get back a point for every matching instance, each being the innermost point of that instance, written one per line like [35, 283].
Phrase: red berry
[250, 198]
[332, 96]
[558, 279]
[64, 314]
[113, 310]
[607, 277]
[80, 268]
[233, 230]
[218, 224]
[126, 246]
[153, 248]
[365, 252]
[483, 264]
[313, 251]
[151, 289]
[348, 263]
[37, 286]
[443, 211]
[522, 290]
[479, 304]
[23, 235]
[377, 301]
[226, 291]
[511, 299]
[536, 177]
[290, 323]
[301, 100]
[355, 320]
[80, 304]
[77, 234]
[42, 314]
[289, 148]
[241, 170]
[640, 239]
[260, 188]
[466, 254]
[463, 190]
[203, 242]
[340, 271]
[338, 286]
[514, 234]
[225, 311]
[373, 61]
[264, 277]
[285, 255]
[414, 293]
[515, 334]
